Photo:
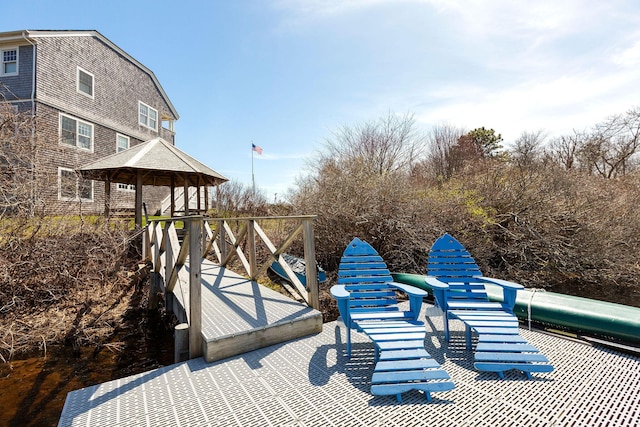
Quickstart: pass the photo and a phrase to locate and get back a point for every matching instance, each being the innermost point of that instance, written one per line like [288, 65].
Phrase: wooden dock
[309, 382]
[269, 361]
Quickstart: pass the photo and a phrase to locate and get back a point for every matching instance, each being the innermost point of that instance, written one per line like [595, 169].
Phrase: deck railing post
[146, 244]
[204, 238]
[222, 236]
[310, 262]
[168, 260]
[195, 286]
[251, 240]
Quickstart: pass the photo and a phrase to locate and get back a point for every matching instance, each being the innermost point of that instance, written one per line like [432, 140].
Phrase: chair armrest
[415, 297]
[340, 293]
[435, 283]
[410, 289]
[439, 291]
[509, 290]
[503, 283]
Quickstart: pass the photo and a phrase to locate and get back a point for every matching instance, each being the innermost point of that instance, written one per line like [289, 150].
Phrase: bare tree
[527, 148]
[441, 140]
[389, 144]
[17, 162]
[564, 149]
[611, 149]
[234, 197]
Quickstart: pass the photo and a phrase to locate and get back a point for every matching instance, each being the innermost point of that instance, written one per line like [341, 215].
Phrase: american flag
[256, 148]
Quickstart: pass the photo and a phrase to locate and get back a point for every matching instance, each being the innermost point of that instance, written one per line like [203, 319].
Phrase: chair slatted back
[365, 275]
[451, 263]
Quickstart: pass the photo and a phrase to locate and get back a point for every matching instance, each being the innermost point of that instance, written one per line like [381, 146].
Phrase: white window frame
[93, 83]
[145, 122]
[76, 197]
[77, 132]
[124, 187]
[118, 136]
[2, 62]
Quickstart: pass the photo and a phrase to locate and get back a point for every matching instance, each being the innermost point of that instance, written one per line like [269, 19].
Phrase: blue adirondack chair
[366, 299]
[459, 289]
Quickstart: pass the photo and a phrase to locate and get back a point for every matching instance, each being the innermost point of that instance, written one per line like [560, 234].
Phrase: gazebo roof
[159, 162]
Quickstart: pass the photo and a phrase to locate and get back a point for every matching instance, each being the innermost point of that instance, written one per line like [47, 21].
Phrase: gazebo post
[206, 198]
[107, 197]
[173, 196]
[139, 199]
[186, 195]
[198, 196]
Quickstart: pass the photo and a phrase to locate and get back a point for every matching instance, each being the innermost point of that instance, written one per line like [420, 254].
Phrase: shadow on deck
[240, 315]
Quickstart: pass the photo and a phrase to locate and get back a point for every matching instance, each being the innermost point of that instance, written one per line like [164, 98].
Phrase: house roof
[16, 36]
[161, 164]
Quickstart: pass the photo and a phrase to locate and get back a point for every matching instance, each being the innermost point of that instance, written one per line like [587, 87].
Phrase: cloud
[629, 56]
[560, 104]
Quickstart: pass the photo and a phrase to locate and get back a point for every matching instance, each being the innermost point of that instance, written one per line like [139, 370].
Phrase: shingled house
[89, 99]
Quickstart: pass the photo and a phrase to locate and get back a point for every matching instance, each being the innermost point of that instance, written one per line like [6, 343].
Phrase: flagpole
[253, 178]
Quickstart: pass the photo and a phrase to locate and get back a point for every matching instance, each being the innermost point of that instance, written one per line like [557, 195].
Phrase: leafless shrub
[65, 283]
[387, 145]
[440, 163]
[542, 218]
[235, 198]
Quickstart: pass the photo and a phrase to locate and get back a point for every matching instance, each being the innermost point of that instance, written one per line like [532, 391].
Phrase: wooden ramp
[240, 315]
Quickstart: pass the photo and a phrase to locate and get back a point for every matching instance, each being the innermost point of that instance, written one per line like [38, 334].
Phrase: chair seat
[405, 365]
[474, 305]
[381, 315]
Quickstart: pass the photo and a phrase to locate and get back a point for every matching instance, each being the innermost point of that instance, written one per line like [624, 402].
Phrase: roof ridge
[144, 150]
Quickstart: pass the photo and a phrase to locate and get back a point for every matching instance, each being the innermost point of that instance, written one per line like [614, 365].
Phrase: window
[9, 61]
[72, 187]
[122, 143]
[148, 117]
[85, 82]
[76, 133]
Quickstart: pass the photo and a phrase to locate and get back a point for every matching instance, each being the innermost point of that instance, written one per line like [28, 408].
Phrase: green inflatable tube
[581, 315]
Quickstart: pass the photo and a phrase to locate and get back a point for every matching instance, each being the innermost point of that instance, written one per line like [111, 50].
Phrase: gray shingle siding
[19, 87]
[119, 84]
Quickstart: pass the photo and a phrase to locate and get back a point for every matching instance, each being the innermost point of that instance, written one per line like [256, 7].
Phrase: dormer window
[9, 59]
[148, 117]
[85, 82]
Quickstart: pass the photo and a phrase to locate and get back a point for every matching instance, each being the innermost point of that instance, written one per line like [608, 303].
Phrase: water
[33, 390]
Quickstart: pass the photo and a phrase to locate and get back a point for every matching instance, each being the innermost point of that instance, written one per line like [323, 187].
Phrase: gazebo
[155, 162]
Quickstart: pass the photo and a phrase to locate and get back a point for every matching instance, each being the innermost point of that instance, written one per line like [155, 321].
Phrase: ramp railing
[176, 263]
[242, 245]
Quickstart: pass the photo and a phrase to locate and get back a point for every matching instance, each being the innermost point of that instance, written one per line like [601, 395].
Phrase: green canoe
[581, 315]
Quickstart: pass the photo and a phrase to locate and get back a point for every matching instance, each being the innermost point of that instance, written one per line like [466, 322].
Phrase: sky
[286, 74]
